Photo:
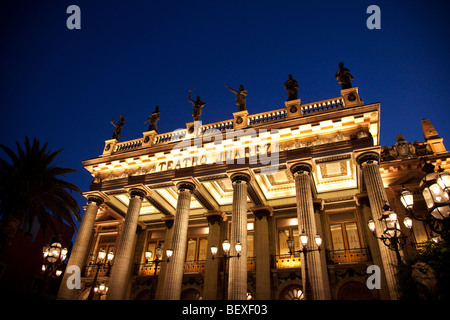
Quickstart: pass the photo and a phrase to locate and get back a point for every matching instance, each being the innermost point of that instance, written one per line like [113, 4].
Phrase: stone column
[81, 246]
[175, 268]
[377, 198]
[262, 255]
[215, 219]
[373, 245]
[122, 263]
[237, 281]
[312, 276]
[167, 244]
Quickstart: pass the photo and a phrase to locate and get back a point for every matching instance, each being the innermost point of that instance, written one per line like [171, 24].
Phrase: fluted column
[175, 268]
[262, 255]
[373, 246]
[237, 281]
[120, 273]
[377, 198]
[81, 246]
[167, 244]
[312, 276]
[212, 266]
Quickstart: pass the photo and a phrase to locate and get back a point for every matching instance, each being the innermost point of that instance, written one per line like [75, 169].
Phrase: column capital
[96, 196]
[168, 221]
[215, 216]
[240, 176]
[262, 211]
[368, 157]
[138, 190]
[186, 183]
[301, 167]
[183, 185]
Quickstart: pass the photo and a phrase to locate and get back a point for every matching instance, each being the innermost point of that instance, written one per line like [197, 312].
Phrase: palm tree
[30, 188]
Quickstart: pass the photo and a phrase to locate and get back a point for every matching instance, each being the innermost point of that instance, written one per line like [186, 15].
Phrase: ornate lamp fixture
[435, 189]
[304, 241]
[100, 263]
[392, 236]
[54, 255]
[226, 250]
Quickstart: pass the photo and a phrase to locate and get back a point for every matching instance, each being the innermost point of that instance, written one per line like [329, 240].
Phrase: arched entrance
[191, 294]
[292, 292]
[354, 290]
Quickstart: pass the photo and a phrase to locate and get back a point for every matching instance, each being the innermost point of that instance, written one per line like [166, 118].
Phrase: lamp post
[305, 250]
[101, 257]
[53, 256]
[101, 290]
[435, 189]
[392, 236]
[156, 262]
[226, 250]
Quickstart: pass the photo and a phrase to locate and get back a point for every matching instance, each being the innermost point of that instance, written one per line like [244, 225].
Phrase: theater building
[262, 183]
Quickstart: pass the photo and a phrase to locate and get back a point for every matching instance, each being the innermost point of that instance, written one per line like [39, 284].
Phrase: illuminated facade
[257, 179]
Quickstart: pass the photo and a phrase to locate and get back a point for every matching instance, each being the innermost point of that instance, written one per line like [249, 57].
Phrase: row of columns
[171, 275]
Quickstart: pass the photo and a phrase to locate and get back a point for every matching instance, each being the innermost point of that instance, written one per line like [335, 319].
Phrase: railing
[197, 266]
[90, 271]
[170, 136]
[254, 119]
[148, 269]
[349, 256]
[315, 107]
[218, 126]
[286, 261]
[267, 116]
[128, 145]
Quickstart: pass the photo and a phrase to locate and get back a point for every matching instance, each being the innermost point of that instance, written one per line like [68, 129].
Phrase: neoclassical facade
[260, 181]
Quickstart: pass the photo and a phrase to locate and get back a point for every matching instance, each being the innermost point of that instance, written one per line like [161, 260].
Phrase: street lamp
[304, 241]
[101, 290]
[435, 189]
[391, 235]
[226, 249]
[226, 245]
[156, 262]
[53, 256]
[100, 263]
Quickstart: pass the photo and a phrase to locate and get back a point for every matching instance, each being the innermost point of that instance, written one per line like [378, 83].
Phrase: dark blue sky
[64, 86]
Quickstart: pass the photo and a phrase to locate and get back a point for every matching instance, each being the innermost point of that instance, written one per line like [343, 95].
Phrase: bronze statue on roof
[118, 127]
[344, 77]
[291, 87]
[240, 97]
[198, 105]
[153, 119]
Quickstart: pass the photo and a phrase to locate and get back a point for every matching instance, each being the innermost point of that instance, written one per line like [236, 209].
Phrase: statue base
[293, 108]
[351, 97]
[149, 137]
[194, 128]
[240, 119]
[110, 145]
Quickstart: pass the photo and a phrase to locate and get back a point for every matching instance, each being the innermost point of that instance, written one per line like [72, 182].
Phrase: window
[288, 228]
[346, 245]
[196, 249]
[344, 231]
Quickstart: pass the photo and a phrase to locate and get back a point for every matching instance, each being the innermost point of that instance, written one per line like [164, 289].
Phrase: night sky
[64, 86]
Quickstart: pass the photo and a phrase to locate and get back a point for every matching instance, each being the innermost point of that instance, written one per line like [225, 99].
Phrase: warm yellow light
[226, 246]
[371, 225]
